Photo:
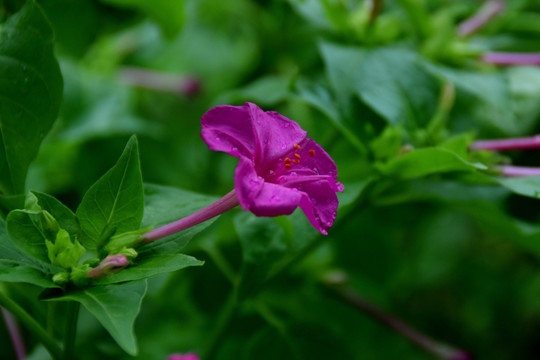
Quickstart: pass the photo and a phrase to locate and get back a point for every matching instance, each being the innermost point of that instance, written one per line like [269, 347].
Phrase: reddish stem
[524, 143]
[14, 334]
[485, 13]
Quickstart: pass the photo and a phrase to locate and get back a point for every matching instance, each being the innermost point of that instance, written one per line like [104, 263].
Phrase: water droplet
[218, 138]
[274, 198]
[283, 147]
[316, 170]
[293, 173]
[234, 148]
[271, 172]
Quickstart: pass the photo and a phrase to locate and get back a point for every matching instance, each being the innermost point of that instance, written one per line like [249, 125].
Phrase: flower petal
[249, 131]
[319, 203]
[229, 129]
[247, 183]
[275, 200]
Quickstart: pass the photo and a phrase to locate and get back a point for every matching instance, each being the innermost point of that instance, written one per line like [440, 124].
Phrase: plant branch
[440, 350]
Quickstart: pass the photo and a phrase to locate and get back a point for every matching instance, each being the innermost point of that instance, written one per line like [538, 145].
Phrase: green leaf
[426, 161]
[26, 230]
[382, 78]
[114, 204]
[148, 264]
[115, 306]
[16, 266]
[526, 185]
[263, 245]
[62, 214]
[30, 92]
[169, 14]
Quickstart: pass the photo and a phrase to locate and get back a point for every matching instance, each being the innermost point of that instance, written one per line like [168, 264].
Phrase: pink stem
[149, 79]
[14, 334]
[508, 58]
[524, 143]
[517, 171]
[485, 13]
[226, 203]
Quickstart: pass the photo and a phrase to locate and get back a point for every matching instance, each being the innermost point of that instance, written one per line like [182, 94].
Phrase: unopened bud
[110, 265]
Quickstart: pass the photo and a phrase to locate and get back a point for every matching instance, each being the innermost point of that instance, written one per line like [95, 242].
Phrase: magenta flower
[279, 168]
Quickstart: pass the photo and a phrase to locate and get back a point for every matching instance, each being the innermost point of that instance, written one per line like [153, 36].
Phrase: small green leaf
[115, 306]
[16, 266]
[25, 229]
[426, 161]
[114, 204]
[63, 215]
[30, 92]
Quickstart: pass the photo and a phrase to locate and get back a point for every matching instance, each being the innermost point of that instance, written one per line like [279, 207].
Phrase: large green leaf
[114, 204]
[30, 92]
[115, 306]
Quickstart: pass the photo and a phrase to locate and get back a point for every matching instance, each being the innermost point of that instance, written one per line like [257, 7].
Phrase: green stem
[51, 317]
[225, 317]
[71, 329]
[32, 325]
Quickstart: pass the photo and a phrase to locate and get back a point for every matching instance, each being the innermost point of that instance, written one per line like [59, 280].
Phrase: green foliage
[114, 204]
[115, 306]
[31, 93]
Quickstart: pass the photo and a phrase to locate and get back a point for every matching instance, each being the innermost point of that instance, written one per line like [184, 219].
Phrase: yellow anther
[297, 147]
[311, 152]
[296, 161]
[287, 161]
[297, 156]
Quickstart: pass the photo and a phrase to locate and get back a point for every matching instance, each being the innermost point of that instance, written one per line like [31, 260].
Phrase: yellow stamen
[311, 152]
[297, 147]
[297, 156]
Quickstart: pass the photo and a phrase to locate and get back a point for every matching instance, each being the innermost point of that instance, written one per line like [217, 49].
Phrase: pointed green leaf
[115, 306]
[30, 92]
[114, 204]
